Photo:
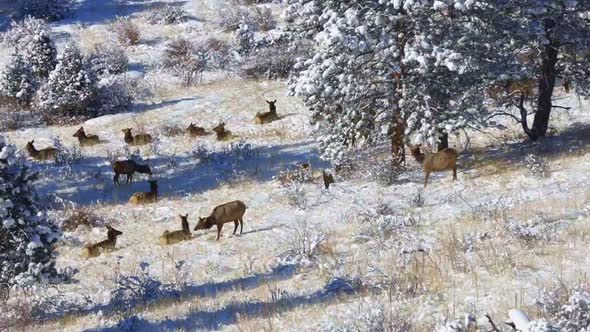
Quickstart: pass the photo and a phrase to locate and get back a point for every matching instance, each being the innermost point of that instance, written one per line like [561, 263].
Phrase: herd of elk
[267, 117]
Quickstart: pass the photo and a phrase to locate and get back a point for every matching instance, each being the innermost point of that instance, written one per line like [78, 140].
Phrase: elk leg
[219, 227]
[241, 225]
[235, 227]
[454, 173]
[426, 178]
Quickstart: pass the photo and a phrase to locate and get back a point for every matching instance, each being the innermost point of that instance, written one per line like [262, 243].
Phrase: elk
[146, 197]
[439, 161]
[177, 236]
[93, 250]
[86, 140]
[228, 212]
[221, 132]
[267, 117]
[43, 154]
[328, 179]
[128, 167]
[139, 139]
[195, 131]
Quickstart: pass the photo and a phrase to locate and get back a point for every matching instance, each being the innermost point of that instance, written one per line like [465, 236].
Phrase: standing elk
[439, 161]
[177, 236]
[128, 167]
[228, 212]
[139, 139]
[267, 117]
[86, 140]
[93, 250]
[146, 197]
[43, 154]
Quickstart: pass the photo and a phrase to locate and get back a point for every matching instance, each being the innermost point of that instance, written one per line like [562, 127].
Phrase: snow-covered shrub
[108, 59]
[126, 32]
[70, 89]
[17, 81]
[51, 10]
[113, 95]
[166, 14]
[302, 242]
[536, 166]
[187, 60]
[27, 237]
[31, 38]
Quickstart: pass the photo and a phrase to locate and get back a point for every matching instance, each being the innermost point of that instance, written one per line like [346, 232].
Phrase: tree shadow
[231, 313]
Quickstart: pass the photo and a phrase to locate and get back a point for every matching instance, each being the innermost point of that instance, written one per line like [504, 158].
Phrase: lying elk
[439, 161]
[43, 154]
[195, 131]
[146, 197]
[267, 117]
[177, 236]
[86, 140]
[93, 250]
[222, 133]
[128, 167]
[139, 139]
[228, 212]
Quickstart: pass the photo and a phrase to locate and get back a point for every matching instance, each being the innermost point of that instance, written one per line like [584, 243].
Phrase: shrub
[166, 14]
[27, 237]
[51, 10]
[108, 59]
[186, 60]
[126, 32]
[70, 88]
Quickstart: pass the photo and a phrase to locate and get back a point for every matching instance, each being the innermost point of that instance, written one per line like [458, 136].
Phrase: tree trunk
[443, 141]
[546, 86]
[398, 152]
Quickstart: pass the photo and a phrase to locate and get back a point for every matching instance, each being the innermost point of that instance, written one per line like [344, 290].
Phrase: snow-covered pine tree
[378, 72]
[537, 41]
[31, 38]
[70, 89]
[16, 81]
[26, 236]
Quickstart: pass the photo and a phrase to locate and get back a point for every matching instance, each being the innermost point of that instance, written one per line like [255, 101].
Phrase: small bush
[126, 32]
[166, 14]
[108, 59]
[537, 166]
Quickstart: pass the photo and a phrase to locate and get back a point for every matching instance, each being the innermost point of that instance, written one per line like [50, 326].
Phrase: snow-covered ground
[488, 242]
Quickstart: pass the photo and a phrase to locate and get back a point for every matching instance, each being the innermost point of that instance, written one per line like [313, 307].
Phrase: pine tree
[17, 82]
[26, 236]
[31, 38]
[71, 88]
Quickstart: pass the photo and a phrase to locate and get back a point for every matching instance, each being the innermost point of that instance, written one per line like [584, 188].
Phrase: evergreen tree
[71, 88]
[17, 82]
[26, 236]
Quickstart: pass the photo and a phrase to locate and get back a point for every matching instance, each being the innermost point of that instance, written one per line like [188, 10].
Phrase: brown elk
[222, 133]
[139, 139]
[328, 179]
[43, 154]
[228, 212]
[177, 236]
[93, 250]
[439, 161]
[146, 197]
[86, 140]
[267, 117]
[128, 167]
[195, 131]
